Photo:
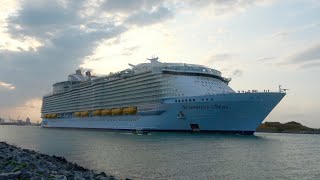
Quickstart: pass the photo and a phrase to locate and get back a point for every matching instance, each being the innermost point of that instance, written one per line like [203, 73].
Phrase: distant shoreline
[18, 124]
[289, 127]
[285, 132]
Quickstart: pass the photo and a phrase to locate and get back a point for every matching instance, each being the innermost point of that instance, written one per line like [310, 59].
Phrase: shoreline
[287, 132]
[291, 127]
[18, 163]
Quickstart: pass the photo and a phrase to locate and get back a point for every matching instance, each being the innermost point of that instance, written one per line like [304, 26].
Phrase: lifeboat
[47, 116]
[97, 113]
[77, 114]
[106, 112]
[117, 111]
[130, 110]
[84, 114]
[53, 116]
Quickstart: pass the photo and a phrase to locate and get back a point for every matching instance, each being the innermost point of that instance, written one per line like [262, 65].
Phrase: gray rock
[102, 174]
[9, 158]
[36, 178]
[32, 165]
[16, 158]
[27, 175]
[8, 168]
[99, 177]
[70, 176]
[10, 175]
[78, 175]
[43, 170]
[60, 177]
[53, 168]
[64, 172]
[89, 175]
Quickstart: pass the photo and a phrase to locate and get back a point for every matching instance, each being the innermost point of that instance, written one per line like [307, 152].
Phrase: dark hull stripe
[161, 130]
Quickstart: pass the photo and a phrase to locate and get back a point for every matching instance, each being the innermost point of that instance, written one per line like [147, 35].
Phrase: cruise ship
[157, 96]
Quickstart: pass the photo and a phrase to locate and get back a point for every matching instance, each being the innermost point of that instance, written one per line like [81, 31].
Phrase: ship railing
[264, 91]
[193, 69]
[248, 91]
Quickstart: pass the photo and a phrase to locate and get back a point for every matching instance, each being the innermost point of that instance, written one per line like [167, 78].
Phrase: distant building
[28, 120]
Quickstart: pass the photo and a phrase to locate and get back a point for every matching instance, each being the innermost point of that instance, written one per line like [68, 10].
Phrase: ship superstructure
[156, 96]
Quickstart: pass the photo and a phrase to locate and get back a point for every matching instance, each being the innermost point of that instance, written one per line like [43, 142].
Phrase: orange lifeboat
[117, 111]
[97, 113]
[84, 114]
[77, 114]
[53, 116]
[130, 110]
[106, 112]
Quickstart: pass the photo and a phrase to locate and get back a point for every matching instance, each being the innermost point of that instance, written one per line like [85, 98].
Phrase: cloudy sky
[260, 44]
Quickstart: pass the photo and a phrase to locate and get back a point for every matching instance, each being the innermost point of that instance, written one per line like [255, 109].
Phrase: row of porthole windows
[185, 100]
[209, 82]
[121, 119]
[190, 100]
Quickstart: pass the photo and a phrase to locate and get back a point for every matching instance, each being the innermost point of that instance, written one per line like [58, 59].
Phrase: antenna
[153, 59]
[282, 89]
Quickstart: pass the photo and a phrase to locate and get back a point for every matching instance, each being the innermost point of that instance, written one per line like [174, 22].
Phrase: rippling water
[177, 155]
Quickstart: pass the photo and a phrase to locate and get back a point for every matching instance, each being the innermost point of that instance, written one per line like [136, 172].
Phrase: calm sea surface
[177, 155]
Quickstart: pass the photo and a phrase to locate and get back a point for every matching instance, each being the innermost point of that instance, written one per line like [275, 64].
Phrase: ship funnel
[78, 72]
[88, 73]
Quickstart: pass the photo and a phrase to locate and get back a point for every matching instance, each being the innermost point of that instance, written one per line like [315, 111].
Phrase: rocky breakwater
[17, 163]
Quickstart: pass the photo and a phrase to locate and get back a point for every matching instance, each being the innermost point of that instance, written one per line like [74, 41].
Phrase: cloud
[310, 54]
[270, 61]
[129, 51]
[284, 34]
[44, 19]
[279, 34]
[138, 12]
[223, 7]
[143, 18]
[266, 59]
[67, 33]
[220, 57]
[237, 73]
[129, 6]
[7, 86]
[310, 65]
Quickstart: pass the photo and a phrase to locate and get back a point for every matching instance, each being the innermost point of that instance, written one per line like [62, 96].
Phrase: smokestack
[78, 72]
[88, 73]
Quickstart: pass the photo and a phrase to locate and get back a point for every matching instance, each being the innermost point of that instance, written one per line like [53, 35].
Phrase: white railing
[281, 90]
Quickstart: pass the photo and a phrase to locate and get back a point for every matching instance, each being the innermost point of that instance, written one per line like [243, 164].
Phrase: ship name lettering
[215, 106]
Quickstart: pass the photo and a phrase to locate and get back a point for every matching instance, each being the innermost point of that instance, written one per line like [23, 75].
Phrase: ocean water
[177, 155]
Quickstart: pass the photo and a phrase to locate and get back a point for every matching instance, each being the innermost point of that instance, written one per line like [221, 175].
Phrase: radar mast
[153, 59]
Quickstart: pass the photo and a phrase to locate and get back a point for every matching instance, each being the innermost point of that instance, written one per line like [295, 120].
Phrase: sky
[260, 44]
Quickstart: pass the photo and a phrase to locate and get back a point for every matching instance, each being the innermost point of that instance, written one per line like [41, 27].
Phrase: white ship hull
[234, 112]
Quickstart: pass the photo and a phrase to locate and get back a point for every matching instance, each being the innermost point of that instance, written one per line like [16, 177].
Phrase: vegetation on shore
[289, 127]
